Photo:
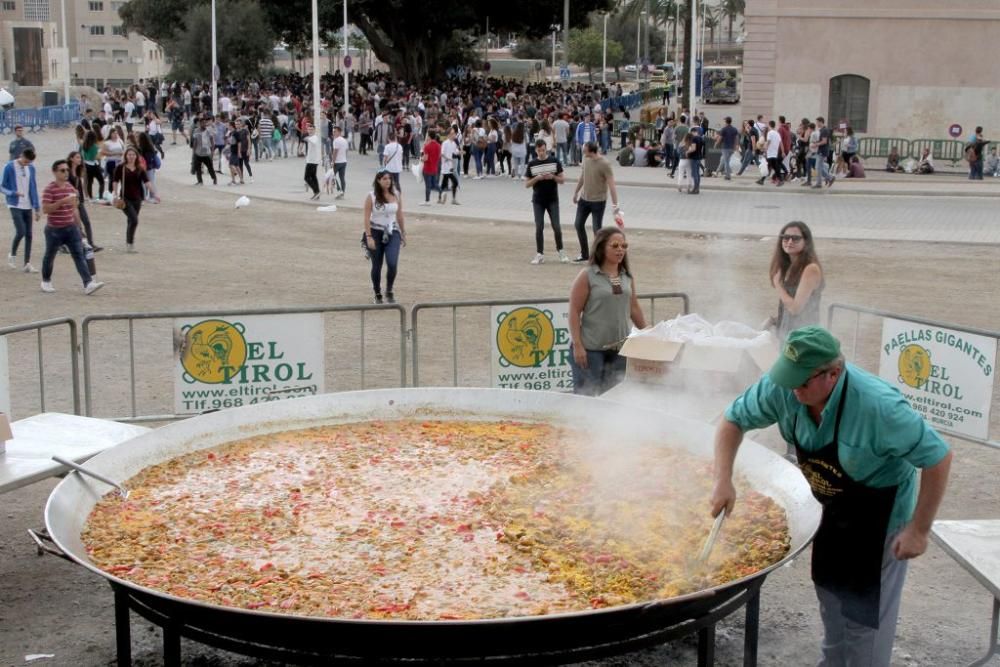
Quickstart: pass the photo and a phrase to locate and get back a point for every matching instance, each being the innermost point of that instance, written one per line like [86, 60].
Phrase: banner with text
[230, 361]
[530, 347]
[946, 375]
[4, 378]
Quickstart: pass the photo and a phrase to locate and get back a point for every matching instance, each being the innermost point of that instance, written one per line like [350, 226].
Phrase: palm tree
[731, 9]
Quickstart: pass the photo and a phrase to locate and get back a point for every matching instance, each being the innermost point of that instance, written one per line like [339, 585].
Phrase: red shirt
[62, 216]
[786, 139]
[432, 157]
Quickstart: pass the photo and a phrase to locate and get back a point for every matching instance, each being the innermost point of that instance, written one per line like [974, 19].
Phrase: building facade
[102, 53]
[31, 52]
[892, 68]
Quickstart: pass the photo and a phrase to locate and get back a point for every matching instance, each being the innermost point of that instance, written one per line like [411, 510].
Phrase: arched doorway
[849, 100]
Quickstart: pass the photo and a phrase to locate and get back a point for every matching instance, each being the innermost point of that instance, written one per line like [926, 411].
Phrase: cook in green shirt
[882, 440]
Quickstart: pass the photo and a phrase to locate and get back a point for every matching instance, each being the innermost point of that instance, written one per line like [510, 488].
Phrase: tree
[414, 38]
[533, 49]
[731, 9]
[244, 46]
[586, 48]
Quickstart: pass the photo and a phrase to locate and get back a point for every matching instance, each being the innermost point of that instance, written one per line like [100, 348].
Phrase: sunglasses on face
[794, 238]
[616, 245]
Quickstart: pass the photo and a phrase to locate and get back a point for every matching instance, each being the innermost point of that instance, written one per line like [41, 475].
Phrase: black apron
[847, 549]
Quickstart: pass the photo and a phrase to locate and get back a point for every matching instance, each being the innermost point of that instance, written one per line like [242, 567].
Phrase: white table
[975, 545]
[37, 439]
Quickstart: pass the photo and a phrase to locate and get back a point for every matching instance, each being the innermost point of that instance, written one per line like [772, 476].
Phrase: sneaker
[425, 203]
[339, 196]
[28, 268]
[580, 259]
[563, 257]
[47, 287]
[12, 261]
[377, 299]
[91, 287]
[538, 259]
[98, 248]
[389, 298]
[130, 248]
[454, 202]
[830, 182]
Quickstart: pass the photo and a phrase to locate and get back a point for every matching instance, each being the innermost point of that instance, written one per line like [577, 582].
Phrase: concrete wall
[929, 62]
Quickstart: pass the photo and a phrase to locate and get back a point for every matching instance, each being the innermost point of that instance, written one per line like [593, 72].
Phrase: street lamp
[215, 68]
[555, 28]
[604, 64]
[315, 82]
[638, 32]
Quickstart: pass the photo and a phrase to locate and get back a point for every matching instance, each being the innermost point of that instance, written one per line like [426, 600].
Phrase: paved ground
[887, 206]
[197, 252]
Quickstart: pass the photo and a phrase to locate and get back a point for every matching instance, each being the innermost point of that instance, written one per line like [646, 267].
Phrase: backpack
[970, 153]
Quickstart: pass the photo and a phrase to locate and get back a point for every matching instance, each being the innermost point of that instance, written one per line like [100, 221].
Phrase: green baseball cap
[804, 351]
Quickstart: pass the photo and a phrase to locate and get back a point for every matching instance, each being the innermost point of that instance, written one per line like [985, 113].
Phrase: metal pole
[566, 33]
[692, 57]
[215, 68]
[638, 31]
[65, 45]
[554, 73]
[347, 105]
[315, 77]
[486, 48]
[604, 64]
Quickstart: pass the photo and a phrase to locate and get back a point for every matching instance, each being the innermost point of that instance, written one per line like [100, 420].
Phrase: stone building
[891, 68]
[31, 52]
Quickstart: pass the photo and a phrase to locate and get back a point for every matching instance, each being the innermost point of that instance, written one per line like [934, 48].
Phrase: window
[849, 101]
[96, 5]
[98, 54]
[119, 55]
[97, 30]
[36, 10]
[8, 6]
[116, 5]
[118, 31]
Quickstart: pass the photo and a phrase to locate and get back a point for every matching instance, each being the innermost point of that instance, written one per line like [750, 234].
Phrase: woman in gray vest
[797, 277]
[602, 302]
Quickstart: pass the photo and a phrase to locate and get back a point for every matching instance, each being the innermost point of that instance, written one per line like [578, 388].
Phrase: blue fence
[36, 120]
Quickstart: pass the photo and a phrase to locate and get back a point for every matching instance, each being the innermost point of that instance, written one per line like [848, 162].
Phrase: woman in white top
[112, 151]
[392, 159]
[518, 150]
[385, 232]
[451, 157]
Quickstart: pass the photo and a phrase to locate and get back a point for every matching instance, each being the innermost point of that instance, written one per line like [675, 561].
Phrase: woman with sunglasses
[385, 233]
[797, 277]
[602, 302]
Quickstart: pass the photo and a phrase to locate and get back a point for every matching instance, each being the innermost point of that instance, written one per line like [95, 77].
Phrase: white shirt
[313, 150]
[23, 183]
[448, 150]
[129, 110]
[561, 129]
[340, 150]
[140, 99]
[393, 157]
[107, 109]
[773, 144]
[225, 105]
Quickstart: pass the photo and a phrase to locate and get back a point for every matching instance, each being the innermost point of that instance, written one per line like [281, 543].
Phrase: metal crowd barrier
[455, 306]
[38, 327]
[873, 367]
[36, 120]
[87, 323]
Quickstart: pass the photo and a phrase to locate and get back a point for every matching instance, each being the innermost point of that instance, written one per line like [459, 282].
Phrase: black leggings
[85, 219]
[466, 156]
[453, 179]
[94, 171]
[310, 178]
[132, 208]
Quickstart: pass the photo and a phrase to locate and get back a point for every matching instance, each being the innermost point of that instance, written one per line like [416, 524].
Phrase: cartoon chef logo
[213, 350]
[914, 366]
[525, 336]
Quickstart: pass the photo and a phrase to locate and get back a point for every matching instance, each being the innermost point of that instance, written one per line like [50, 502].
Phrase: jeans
[822, 171]
[340, 170]
[132, 208]
[430, 183]
[55, 238]
[605, 369]
[562, 152]
[695, 173]
[669, 156]
[389, 252]
[976, 170]
[552, 208]
[518, 168]
[477, 155]
[605, 142]
[746, 161]
[595, 209]
[491, 151]
[727, 170]
[22, 218]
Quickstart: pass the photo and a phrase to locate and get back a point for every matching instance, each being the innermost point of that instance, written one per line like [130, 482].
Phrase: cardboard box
[700, 368]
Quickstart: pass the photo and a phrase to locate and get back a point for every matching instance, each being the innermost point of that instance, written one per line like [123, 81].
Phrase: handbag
[118, 203]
